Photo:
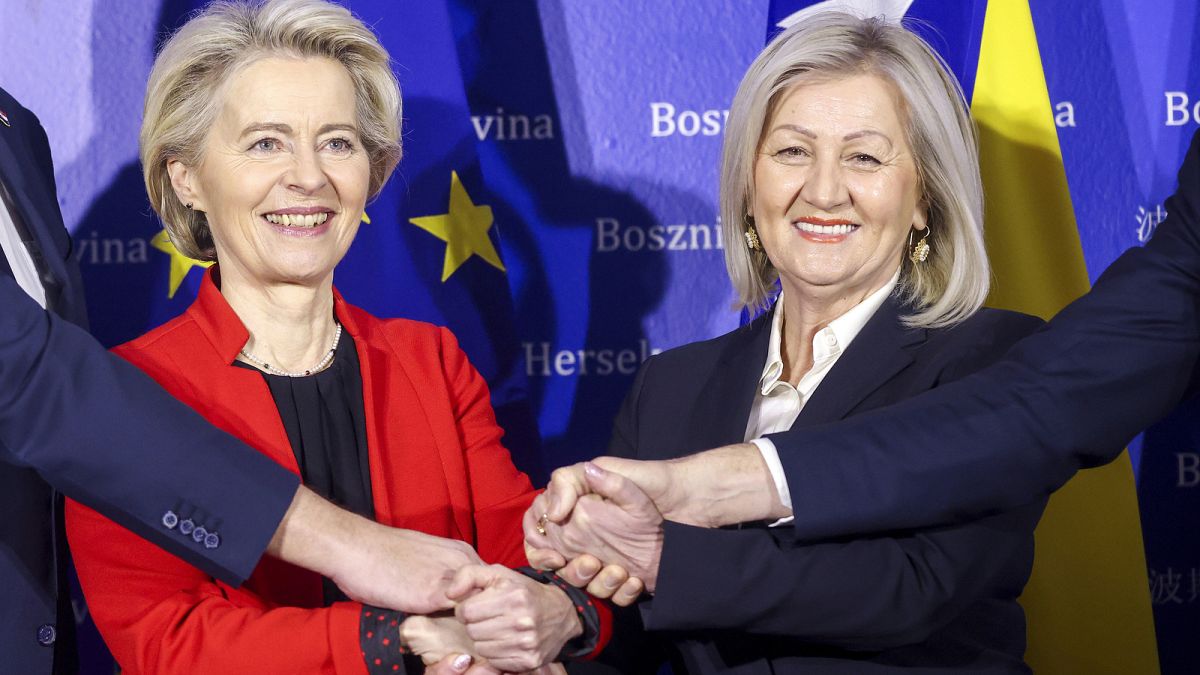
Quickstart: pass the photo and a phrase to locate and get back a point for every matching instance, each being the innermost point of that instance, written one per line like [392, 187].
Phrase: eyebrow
[848, 137]
[326, 128]
[287, 130]
[266, 126]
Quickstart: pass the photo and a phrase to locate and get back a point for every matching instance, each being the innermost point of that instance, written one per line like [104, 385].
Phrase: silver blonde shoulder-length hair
[183, 101]
[953, 283]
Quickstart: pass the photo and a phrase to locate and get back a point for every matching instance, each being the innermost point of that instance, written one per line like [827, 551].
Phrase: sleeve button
[212, 540]
[186, 526]
[46, 634]
[170, 520]
[199, 534]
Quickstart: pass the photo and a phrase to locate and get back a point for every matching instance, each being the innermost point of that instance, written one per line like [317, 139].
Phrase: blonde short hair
[953, 283]
[182, 101]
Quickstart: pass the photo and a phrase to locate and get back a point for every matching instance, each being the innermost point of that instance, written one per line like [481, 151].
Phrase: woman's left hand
[516, 623]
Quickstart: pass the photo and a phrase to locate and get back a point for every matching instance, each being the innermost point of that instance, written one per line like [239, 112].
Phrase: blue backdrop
[592, 130]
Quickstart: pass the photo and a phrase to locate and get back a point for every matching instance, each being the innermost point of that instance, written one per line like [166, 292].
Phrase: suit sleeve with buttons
[158, 614]
[1069, 396]
[96, 428]
[102, 432]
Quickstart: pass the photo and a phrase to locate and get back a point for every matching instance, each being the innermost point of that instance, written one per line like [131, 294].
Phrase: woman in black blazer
[850, 183]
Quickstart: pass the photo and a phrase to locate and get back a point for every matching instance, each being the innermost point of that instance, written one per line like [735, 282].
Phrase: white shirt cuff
[771, 456]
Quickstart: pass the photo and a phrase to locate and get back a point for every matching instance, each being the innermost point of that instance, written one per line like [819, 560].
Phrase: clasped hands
[498, 621]
[598, 528]
[502, 620]
[599, 524]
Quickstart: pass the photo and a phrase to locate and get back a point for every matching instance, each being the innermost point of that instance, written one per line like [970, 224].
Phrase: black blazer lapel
[723, 407]
[881, 350]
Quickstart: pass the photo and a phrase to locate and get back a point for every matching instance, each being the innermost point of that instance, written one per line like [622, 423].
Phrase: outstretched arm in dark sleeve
[99, 430]
[1069, 396]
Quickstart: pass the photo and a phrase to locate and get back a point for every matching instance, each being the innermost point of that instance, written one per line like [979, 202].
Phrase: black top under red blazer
[759, 600]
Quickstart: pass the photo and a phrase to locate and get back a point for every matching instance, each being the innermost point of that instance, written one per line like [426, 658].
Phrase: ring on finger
[541, 524]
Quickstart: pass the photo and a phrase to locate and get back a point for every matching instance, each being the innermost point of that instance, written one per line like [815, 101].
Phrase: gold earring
[751, 235]
[919, 252]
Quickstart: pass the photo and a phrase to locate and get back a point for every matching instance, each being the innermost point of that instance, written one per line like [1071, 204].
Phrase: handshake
[598, 525]
[597, 528]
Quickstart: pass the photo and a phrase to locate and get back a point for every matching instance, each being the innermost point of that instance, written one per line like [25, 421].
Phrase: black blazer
[764, 600]
[95, 427]
[1070, 396]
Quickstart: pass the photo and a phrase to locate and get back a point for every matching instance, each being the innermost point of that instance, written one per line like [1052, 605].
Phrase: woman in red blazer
[387, 417]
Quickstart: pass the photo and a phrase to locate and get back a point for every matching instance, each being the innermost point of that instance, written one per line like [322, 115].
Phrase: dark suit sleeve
[1070, 396]
[100, 431]
[868, 593]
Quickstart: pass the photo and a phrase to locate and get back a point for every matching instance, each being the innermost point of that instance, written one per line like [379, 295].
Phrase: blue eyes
[338, 146]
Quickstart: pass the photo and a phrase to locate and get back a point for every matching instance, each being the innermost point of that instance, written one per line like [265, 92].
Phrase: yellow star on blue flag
[180, 263]
[464, 228]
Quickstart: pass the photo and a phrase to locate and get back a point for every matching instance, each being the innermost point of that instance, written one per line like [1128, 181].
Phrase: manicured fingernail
[461, 662]
[611, 583]
[593, 470]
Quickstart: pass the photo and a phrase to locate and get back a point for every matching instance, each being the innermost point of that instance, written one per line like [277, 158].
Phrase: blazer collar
[882, 349]
[724, 406]
[226, 332]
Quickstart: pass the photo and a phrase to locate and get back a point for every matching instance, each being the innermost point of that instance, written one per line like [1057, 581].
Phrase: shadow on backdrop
[548, 217]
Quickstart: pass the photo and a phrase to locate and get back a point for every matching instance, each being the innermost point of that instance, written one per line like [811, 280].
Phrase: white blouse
[777, 403]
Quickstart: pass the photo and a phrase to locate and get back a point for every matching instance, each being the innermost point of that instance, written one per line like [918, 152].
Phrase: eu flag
[431, 250]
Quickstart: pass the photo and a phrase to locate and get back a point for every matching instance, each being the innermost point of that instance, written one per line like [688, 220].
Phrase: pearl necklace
[337, 336]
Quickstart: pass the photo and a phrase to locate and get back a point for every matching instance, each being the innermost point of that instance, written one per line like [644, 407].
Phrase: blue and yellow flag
[1090, 566]
[1087, 603]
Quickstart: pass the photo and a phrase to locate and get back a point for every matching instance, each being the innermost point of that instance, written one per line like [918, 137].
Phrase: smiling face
[283, 178]
[836, 188]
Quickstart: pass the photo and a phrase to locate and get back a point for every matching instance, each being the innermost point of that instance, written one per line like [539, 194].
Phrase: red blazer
[437, 466]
